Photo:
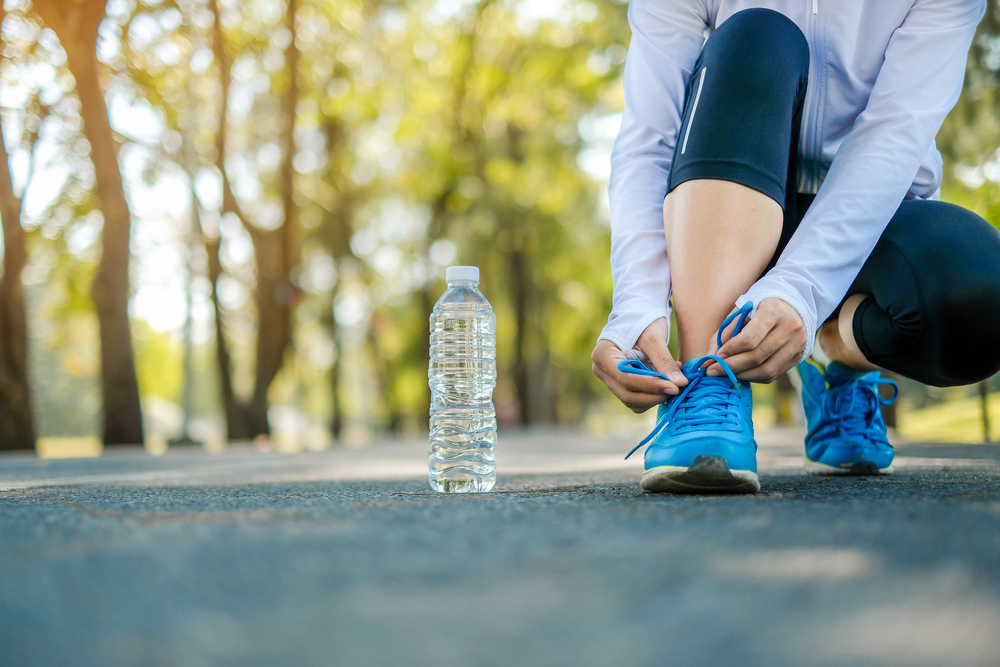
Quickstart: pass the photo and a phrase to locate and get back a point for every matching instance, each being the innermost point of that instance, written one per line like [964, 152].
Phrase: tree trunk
[275, 251]
[383, 372]
[238, 426]
[273, 296]
[521, 293]
[784, 401]
[337, 421]
[338, 228]
[75, 24]
[17, 428]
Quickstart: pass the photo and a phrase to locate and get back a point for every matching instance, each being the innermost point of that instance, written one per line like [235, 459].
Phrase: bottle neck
[463, 283]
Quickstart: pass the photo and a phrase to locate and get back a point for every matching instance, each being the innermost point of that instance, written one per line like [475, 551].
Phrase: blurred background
[229, 220]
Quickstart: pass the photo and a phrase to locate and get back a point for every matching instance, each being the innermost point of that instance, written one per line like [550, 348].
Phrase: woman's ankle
[844, 350]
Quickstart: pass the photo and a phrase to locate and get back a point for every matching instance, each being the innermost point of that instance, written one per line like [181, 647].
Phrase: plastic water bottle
[462, 374]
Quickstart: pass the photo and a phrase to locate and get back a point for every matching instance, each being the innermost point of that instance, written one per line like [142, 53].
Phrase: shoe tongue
[837, 374]
[692, 366]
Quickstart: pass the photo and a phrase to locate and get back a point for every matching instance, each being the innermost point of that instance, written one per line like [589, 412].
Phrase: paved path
[344, 557]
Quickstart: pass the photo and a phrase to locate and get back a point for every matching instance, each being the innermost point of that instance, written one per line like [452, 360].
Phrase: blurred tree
[17, 428]
[970, 135]
[357, 148]
[275, 249]
[418, 132]
[491, 135]
[340, 198]
[76, 24]
[339, 105]
[237, 148]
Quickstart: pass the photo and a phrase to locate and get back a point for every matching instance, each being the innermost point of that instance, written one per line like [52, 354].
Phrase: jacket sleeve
[918, 84]
[667, 37]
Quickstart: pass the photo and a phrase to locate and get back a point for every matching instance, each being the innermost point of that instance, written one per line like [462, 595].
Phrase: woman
[788, 157]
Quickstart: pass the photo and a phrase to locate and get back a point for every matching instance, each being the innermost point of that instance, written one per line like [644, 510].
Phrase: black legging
[934, 275]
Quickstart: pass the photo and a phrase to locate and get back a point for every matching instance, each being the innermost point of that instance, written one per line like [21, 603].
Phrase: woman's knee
[762, 42]
[955, 256]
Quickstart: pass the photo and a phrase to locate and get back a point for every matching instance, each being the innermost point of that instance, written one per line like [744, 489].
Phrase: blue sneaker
[703, 440]
[846, 434]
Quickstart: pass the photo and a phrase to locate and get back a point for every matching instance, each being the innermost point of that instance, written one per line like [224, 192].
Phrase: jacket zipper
[818, 107]
[811, 138]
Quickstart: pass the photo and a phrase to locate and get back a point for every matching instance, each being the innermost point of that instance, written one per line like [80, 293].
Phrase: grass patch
[958, 420]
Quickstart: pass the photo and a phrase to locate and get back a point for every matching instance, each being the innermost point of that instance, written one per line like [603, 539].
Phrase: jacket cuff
[624, 329]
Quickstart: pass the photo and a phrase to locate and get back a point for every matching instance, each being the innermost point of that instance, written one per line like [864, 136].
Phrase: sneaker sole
[859, 469]
[706, 475]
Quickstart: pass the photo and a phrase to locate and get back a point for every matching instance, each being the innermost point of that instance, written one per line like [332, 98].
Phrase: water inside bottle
[462, 375]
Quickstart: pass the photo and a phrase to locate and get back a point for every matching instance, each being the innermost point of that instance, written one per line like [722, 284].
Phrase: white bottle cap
[462, 273]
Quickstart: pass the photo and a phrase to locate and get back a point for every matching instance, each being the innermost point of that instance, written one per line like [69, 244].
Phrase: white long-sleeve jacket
[882, 76]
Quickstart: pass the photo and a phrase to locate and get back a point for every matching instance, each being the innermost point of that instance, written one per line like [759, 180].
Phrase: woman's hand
[768, 346]
[638, 392]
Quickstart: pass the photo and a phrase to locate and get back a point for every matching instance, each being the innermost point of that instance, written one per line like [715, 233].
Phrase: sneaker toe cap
[847, 453]
[739, 453]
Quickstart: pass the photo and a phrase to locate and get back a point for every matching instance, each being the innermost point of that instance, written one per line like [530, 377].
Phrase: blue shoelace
[704, 401]
[852, 408]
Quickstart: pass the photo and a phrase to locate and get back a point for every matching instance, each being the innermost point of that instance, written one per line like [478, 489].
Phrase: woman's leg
[836, 336]
[720, 236]
[926, 303]
[734, 165]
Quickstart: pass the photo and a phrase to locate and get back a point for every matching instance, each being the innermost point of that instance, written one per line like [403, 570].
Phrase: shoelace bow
[852, 408]
[704, 400]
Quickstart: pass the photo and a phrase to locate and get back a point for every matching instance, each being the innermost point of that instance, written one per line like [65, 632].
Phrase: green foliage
[970, 136]
[159, 357]
[489, 135]
[426, 134]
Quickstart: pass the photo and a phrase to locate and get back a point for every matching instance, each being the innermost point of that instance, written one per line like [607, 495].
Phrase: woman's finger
[643, 383]
[776, 365]
[626, 383]
[727, 333]
[653, 344]
[750, 338]
[754, 355]
[637, 401]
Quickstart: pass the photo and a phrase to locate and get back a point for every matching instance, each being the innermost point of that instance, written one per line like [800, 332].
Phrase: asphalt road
[345, 557]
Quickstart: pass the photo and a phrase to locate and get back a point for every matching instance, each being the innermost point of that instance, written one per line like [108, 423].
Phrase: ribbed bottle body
[461, 375]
